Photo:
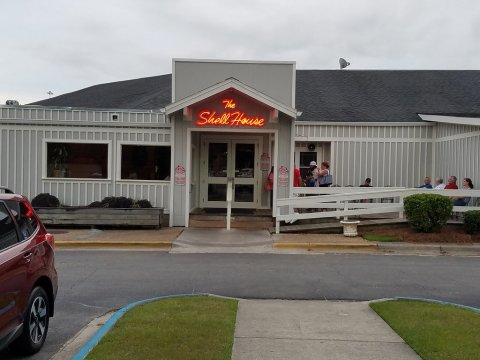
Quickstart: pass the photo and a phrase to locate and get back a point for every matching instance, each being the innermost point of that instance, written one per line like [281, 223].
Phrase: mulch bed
[450, 234]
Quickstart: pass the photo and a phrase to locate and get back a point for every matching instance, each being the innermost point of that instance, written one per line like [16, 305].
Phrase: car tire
[35, 324]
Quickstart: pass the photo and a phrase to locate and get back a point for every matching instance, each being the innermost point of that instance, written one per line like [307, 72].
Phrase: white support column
[229, 201]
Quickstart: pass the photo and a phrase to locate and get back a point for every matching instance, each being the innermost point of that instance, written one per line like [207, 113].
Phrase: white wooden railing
[336, 202]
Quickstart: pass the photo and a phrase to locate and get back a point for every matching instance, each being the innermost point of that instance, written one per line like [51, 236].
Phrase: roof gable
[227, 85]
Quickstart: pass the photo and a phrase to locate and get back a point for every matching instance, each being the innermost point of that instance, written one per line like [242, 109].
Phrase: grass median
[199, 327]
[381, 238]
[434, 331]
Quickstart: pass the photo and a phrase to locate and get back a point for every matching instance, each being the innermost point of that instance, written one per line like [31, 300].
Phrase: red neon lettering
[233, 119]
[229, 104]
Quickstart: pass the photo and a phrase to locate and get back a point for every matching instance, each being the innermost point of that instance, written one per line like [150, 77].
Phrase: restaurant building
[181, 140]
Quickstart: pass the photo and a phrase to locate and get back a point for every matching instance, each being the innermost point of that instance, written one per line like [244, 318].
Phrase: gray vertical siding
[38, 114]
[457, 149]
[22, 163]
[392, 155]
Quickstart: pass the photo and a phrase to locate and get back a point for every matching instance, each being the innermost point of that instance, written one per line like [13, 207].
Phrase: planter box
[350, 227]
[101, 216]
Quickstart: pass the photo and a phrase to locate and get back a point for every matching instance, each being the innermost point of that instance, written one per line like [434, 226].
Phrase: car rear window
[8, 233]
[27, 222]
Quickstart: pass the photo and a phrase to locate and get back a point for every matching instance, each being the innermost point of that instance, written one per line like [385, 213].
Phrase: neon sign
[231, 117]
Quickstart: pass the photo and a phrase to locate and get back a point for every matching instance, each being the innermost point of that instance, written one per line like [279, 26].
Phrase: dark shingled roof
[146, 93]
[321, 95]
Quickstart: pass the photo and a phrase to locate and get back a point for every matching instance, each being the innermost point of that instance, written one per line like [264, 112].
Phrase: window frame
[17, 224]
[17, 230]
[75, 141]
[118, 163]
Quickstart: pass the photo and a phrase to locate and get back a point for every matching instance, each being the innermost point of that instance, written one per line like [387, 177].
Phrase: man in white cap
[312, 174]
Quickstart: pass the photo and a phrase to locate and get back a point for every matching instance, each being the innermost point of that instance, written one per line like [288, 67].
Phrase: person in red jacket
[452, 183]
[297, 178]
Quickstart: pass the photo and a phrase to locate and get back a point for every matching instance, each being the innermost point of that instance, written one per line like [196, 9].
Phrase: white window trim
[74, 141]
[118, 172]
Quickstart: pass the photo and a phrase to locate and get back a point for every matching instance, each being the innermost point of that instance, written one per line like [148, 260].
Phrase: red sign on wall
[232, 117]
[180, 177]
[283, 176]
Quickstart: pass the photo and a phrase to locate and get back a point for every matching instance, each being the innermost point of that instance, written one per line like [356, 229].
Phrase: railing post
[400, 214]
[345, 208]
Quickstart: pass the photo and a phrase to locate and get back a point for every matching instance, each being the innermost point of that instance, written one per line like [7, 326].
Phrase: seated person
[452, 183]
[367, 183]
[439, 185]
[463, 201]
[427, 183]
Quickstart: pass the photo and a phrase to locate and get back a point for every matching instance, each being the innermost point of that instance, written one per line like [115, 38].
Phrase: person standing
[312, 175]
[324, 178]
[268, 185]
[297, 178]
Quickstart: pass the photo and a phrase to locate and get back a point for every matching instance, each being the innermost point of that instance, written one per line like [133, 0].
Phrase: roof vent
[12, 102]
[343, 63]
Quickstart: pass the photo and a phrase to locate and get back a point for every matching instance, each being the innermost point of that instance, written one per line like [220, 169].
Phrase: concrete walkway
[283, 329]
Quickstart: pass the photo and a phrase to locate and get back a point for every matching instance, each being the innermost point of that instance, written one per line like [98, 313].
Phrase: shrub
[471, 222]
[45, 200]
[143, 204]
[427, 212]
[95, 204]
[120, 202]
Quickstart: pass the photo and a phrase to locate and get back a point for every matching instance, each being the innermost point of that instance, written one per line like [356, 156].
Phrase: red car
[28, 278]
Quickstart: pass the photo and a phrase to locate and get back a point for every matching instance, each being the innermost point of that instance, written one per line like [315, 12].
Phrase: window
[8, 233]
[26, 220]
[77, 160]
[145, 162]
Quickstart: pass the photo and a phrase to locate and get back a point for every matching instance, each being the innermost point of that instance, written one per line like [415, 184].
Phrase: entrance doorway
[234, 159]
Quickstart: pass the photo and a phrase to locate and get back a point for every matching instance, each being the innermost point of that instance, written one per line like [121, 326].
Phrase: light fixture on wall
[311, 147]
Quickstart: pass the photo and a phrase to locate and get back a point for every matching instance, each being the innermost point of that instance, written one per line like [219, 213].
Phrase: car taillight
[51, 240]
[29, 212]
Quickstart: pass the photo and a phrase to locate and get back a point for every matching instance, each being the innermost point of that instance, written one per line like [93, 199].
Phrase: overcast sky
[66, 45]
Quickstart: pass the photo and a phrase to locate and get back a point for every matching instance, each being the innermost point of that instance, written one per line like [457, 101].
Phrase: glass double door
[229, 162]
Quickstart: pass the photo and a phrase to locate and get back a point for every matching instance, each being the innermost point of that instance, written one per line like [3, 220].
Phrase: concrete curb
[444, 248]
[440, 302]
[75, 244]
[326, 246]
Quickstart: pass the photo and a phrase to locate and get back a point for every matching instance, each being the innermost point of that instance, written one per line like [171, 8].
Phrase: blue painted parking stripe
[471, 308]
[83, 352]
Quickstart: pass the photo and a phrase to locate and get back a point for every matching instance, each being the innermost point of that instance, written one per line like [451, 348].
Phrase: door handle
[27, 257]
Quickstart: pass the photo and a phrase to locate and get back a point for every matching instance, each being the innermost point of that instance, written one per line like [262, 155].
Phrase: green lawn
[434, 331]
[199, 327]
[381, 238]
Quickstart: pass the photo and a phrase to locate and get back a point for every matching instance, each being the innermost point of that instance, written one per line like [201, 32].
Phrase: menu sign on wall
[230, 117]
[180, 178]
[283, 176]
